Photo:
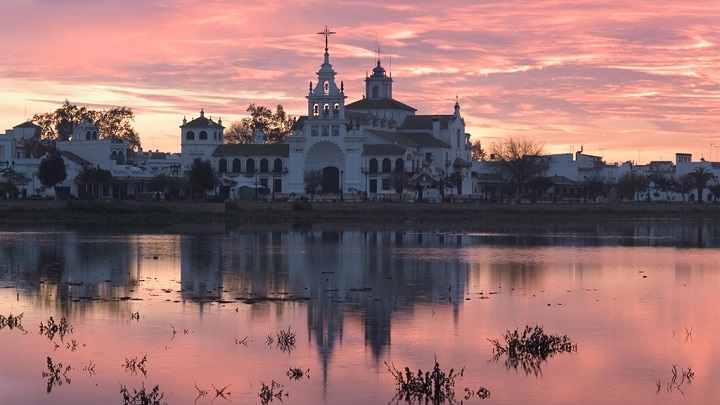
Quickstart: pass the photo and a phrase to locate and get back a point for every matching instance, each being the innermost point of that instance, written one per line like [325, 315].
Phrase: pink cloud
[560, 72]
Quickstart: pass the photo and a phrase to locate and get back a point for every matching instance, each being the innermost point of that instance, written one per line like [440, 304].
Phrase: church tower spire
[326, 99]
[378, 85]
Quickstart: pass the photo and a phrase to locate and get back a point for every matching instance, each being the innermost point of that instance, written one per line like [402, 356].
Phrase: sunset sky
[631, 80]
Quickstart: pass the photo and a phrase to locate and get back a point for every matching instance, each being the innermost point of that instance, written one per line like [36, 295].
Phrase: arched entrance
[328, 158]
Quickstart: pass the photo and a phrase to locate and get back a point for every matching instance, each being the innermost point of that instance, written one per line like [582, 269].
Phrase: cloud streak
[612, 77]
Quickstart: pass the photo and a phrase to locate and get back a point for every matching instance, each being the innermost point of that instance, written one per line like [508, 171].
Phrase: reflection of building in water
[200, 275]
[58, 267]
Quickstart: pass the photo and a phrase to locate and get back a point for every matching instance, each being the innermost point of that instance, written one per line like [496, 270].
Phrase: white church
[359, 147]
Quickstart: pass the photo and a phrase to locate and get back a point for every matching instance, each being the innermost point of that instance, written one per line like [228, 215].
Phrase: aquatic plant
[52, 328]
[436, 387]
[530, 348]
[56, 374]
[141, 397]
[133, 365]
[685, 375]
[296, 373]
[270, 392]
[285, 340]
[12, 322]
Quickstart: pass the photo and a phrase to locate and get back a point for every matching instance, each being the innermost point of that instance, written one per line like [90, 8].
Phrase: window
[203, 136]
[336, 109]
[94, 135]
[277, 165]
[325, 130]
[250, 166]
[336, 130]
[399, 165]
[264, 165]
[316, 110]
[326, 88]
[190, 136]
[373, 165]
[236, 167]
[386, 166]
[386, 183]
[222, 166]
[314, 130]
[87, 136]
[375, 92]
[326, 109]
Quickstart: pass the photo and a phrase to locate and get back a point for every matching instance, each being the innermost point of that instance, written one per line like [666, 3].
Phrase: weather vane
[327, 33]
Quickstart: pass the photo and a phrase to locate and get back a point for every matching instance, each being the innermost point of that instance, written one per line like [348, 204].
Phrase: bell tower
[326, 102]
[378, 85]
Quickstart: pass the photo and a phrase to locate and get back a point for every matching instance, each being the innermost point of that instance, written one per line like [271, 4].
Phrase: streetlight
[486, 186]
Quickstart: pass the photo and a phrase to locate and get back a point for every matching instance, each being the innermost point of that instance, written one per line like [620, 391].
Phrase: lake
[320, 315]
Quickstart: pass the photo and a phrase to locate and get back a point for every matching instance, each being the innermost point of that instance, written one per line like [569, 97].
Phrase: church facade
[376, 146]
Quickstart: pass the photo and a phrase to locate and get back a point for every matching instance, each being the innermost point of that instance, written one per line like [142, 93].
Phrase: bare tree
[313, 183]
[519, 158]
[239, 132]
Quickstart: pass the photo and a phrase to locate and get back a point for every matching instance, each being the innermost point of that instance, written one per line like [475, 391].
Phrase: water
[205, 310]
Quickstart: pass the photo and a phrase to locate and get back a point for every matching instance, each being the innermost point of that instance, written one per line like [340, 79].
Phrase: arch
[399, 165]
[94, 135]
[386, 165]
[203, 136]
[373, 165]
[87, 136]
[326, 109]
[326, 88]
[222, 166]
[190, 136]
[324, 154]
[236, 165]
[375, 92]
[264, 165]
[316, 110]
[113, 154]
[277, 165]
[250, 166]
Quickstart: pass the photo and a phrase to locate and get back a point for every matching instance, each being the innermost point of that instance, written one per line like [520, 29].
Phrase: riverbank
[234, 214]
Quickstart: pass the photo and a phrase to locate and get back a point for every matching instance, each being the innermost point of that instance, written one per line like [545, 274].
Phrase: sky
[629, 80]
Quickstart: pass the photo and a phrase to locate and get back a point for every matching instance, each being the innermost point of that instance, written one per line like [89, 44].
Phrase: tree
[313, 183]
[631, 184]
[700, 177]
[200, 176]
[520, 158]
[89, 177]
[478, 153]
[239, 132]
[114, 124]
[35, 146]
[51, 171]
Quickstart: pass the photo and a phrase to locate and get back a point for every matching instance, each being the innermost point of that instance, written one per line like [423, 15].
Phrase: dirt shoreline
[235, 214]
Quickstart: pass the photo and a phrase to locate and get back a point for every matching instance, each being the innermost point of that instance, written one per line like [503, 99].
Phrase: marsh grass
[530, 348]
[52, 328]
[285, 340]
[296, 373]
[12, 322]
[436, 387]
[133, 365]
[56, 374]
[270, 392]
[141, 397]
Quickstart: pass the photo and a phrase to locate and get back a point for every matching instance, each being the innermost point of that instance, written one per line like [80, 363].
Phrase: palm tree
[700, 177]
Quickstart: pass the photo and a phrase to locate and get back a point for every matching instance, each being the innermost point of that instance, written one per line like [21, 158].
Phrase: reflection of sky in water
[364, 297]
